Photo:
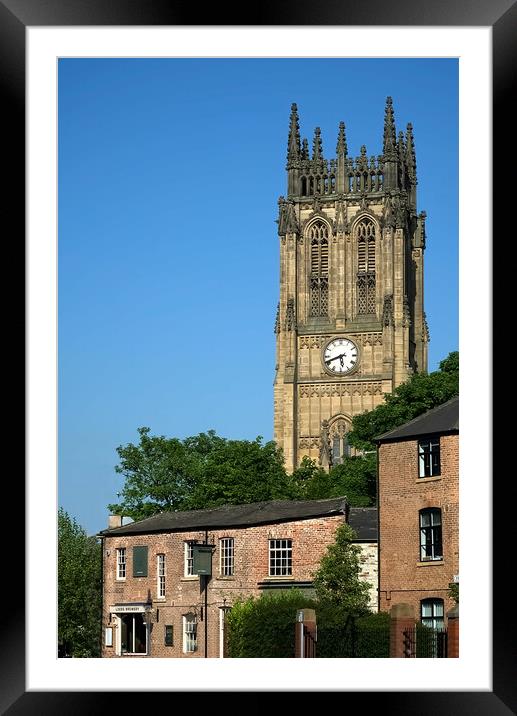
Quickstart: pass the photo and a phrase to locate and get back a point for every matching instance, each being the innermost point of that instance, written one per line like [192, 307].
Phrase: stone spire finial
[401, 148]
[410, 153]
[317, 148]
[341, 148]
[390, 137]
[293, 140]
[305, 149]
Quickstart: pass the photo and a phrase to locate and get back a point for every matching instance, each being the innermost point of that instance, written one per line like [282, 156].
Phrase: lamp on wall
[149, 612]
[149, 615]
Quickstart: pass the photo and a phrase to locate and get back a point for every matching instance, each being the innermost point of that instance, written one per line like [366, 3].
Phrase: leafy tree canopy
[337, 580]
[420, 393]
[79, 589]
[241, 471]
[202, 471]
[454, 592]
[354, 478]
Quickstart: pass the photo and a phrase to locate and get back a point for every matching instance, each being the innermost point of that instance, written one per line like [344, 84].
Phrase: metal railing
[425, 642]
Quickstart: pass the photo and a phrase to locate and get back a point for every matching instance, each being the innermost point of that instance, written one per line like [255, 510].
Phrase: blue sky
[169, 176]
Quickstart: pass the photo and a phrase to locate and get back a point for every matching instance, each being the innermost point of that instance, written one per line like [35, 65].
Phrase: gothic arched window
[365, 235]
[339, 442]
[319, 278]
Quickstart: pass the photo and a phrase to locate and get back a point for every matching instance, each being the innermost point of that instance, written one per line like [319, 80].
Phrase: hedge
[263, 627]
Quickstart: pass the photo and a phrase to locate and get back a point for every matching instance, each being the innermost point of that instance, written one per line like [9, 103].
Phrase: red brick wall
[310, 540]
[403, 577]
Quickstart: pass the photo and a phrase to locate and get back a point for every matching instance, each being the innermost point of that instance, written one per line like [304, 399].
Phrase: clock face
[340, 355]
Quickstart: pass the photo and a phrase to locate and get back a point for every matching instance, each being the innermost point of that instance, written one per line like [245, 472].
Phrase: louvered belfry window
[319, 279]
[365, 234]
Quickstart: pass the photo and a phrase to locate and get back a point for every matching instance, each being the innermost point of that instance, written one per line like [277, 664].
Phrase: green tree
[420, 393]
[201, 471]
[355, 478]
[242, 471]
[454, 592]
[79, 588]
[264, 627]
[160, 473]
[337, 580]
[313, 482]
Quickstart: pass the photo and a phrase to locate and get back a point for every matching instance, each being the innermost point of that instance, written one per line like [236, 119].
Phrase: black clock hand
[335, 358]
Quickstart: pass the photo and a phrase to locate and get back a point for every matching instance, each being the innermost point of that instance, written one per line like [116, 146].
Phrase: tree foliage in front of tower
[355, 478]
[420, 393]
[337, 581]
[79, 589]
[241, 471]
[203, 471]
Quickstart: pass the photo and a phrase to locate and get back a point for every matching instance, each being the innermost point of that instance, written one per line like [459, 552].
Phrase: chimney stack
[114, 521]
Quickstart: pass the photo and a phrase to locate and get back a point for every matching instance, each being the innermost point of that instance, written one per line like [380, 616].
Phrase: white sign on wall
[125, 608]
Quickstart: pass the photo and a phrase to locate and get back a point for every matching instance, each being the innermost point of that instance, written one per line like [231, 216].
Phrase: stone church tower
[350, 322]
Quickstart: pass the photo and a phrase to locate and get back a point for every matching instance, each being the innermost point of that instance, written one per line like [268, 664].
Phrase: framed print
[34, 38]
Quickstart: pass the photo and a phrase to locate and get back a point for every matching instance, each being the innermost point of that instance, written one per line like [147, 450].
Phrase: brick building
[154, 603]
[418, 513]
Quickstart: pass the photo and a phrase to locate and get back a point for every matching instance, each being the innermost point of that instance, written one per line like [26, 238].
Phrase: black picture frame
[15, 17]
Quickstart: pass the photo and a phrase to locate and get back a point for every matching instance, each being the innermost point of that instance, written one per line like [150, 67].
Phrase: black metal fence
[425, 642]
[355, 639]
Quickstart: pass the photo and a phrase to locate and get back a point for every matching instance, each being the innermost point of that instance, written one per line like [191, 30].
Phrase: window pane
[427, 609]
[140, 561]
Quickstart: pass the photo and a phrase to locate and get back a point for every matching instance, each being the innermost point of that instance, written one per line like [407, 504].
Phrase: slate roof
[364, 521]
[233, 516]
[442, 419]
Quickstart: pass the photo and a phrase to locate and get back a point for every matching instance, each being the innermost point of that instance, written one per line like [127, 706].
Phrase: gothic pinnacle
[305, 149]
[390, 137]
[341, 149]
[317, 149]
[293, 141]
[410, 152]
[401, 150]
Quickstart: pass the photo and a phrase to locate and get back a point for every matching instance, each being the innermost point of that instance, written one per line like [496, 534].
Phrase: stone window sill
[428, 479]
[430, 563]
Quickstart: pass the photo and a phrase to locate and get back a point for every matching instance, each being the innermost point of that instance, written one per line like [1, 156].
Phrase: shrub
[264, 627]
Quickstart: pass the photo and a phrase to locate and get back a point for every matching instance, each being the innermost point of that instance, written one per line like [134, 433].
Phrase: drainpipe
[102, 596]
[378, 536]
[205, 576]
